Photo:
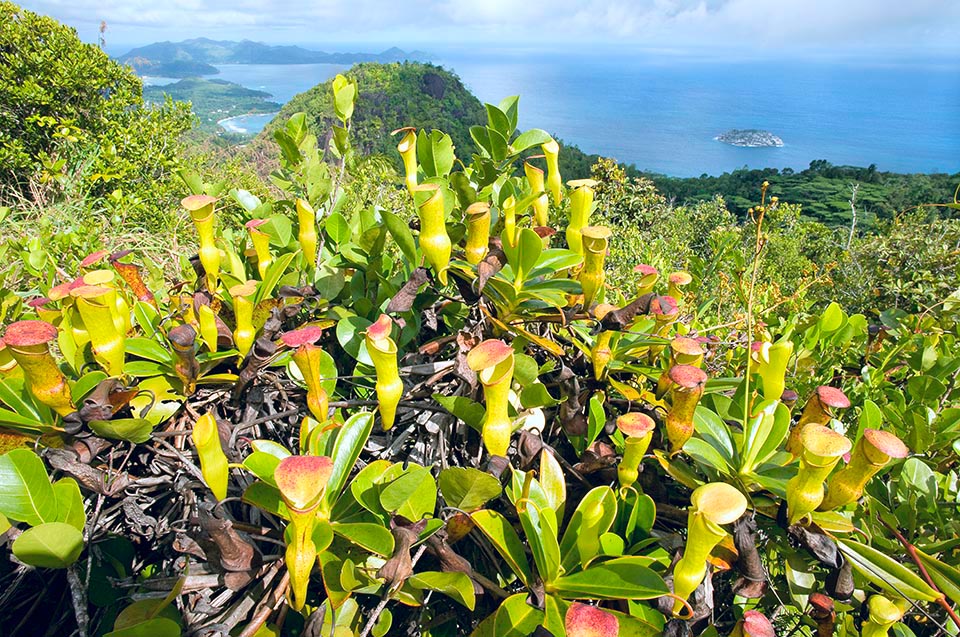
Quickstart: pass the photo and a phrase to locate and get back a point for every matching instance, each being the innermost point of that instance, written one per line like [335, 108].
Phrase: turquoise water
[663, 115]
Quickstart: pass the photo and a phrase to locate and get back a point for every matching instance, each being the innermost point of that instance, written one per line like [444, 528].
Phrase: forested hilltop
[824, 190]
[342, 383]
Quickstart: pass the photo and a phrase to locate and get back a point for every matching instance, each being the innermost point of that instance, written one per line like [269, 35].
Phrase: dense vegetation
[470, 397]
[824, 190]
[212, 100]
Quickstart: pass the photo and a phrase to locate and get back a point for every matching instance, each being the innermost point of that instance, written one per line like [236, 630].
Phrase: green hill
[393, 96]
[416, 94]
[212, 100]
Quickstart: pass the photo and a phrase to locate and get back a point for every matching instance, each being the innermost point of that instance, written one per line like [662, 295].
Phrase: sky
[885, 29]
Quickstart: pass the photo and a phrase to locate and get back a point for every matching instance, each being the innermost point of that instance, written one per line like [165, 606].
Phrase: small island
[750, 138]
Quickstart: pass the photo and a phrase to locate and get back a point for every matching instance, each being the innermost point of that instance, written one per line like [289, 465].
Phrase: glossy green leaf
[886, 572]
[266, 497]
[337, 227]
[553, 483]
[372, 537]
[529, 139]
[262, 465]
[505, 539]
[435, 153]
[516, 618]
[455, 585]
[157, 627]
[266, 287]
[130, 429]
[350, 441]
[412, 495]
[540, 528]
[619, 578]
[401, 234]
[466, 488]
[467, 410]
[149, 349]
[26, 494]
[350, 334]
[49, 545]
[69, 503]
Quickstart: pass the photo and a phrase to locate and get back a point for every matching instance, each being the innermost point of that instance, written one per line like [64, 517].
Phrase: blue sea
[663, 113]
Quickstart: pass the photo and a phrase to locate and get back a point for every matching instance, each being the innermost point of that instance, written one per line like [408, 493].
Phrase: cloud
[747, 25]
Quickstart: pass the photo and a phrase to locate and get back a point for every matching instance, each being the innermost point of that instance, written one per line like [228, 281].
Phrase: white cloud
[743, 25]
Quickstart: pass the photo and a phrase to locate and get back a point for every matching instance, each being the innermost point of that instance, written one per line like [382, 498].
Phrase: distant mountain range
[196, 57]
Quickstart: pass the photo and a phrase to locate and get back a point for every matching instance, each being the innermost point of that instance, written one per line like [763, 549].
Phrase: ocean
[663, 114]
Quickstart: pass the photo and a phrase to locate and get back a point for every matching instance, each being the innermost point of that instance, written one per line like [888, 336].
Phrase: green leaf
[619, 578]
[711, 428]
[536, 395]
[529, 249]
[131, 429]
[288, 147]
[529, 139]
[156, 627]
[456, 585]
[706, 454]
[86, 384]
[280, 230]
[401, 234]
[886, 572]
[412, 495]
[69, 503]
[945, 576]
[262, 465]
[26, 494]
[580, 542]
[149, 349]
[831, 319]
[274, 272]
[372, 537]
[553, 483]
[596, 418]
[516, 618]
[350, 441]
[49, 545]
[505, 539]
[266, 497]
[350, 334]
[435, 153]
[540, 528]
[344, 93]
[510, 107]
[467, 488]
[498, 121]
[322, 536]
[467, 410]
[147, 317]
[337, 227]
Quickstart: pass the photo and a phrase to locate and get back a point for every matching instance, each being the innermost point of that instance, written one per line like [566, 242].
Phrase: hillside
[393, 96]
[823, 189]
[416, 94]
[196, 56]
[212, 100]
[173, 68]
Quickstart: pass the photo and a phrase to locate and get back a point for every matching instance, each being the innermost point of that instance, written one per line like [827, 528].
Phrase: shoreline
[233, 129]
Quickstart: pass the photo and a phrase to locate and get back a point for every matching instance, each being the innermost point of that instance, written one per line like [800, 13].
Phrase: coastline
[225, 122]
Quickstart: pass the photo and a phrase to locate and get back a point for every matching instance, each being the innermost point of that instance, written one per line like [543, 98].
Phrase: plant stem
[78, 595]
[912, 552]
